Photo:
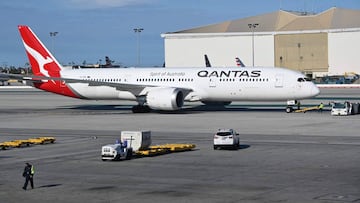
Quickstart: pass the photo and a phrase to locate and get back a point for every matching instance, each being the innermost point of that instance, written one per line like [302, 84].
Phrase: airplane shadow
[185, 110]
[51, 185]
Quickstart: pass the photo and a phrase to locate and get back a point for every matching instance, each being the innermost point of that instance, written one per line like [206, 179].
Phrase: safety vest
[32, 170]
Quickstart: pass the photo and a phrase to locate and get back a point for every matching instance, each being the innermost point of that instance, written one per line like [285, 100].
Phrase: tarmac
[283, 157]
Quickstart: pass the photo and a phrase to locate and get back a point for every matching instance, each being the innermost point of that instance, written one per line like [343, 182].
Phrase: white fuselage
[206, 84]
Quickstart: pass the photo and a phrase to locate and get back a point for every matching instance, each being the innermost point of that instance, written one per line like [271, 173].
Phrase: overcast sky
[92, 29]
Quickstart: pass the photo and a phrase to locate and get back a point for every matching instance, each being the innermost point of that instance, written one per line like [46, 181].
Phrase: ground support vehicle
[116, 152]
[164, 149]
[304, 110]
[41, 140]
[340, 108]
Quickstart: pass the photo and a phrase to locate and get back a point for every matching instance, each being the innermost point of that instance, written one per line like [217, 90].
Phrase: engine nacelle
[165, 98]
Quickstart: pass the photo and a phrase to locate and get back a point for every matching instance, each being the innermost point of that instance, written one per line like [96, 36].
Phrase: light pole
[252, 26]
[138, 31]
[52, 35]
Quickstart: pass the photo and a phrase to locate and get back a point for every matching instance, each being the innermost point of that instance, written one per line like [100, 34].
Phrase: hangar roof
[333, 18]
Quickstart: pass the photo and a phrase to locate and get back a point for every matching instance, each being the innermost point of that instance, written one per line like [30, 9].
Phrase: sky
[89, 30]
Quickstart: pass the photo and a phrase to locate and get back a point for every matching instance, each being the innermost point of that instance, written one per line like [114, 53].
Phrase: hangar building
[327, 43]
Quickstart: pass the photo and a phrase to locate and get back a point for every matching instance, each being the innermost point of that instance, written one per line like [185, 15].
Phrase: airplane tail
[239, 62]
[207, 62]
[43, 63]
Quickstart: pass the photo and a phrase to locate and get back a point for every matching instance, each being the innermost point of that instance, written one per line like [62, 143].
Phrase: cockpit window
[303, 79]
[300, 80]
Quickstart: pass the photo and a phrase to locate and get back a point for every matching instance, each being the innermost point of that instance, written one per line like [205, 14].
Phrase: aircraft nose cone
[315, 90]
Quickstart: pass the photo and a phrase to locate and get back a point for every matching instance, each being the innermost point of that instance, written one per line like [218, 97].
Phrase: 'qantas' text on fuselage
[230, 73]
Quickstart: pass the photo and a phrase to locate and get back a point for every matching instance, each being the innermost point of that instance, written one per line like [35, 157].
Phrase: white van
[226, 138]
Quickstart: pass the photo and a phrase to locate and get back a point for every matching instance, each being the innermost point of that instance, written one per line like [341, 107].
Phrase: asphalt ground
[296, 157]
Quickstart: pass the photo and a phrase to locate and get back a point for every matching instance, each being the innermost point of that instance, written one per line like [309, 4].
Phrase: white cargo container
[137, 140]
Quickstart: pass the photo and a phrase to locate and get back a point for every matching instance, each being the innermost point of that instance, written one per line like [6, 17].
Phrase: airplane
[207, 61]
[164, 89]
[239, 63]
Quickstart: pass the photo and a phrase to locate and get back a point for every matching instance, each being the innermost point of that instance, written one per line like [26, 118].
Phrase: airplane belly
[100, 92]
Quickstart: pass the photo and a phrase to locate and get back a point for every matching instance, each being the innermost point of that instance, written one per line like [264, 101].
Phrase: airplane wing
[135, 89]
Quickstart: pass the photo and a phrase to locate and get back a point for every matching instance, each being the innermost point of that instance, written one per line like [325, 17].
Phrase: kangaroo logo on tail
[41, 60]
[43, 63]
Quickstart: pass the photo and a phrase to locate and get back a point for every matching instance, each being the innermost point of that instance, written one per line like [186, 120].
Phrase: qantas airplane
[239, 63]
[163, 88]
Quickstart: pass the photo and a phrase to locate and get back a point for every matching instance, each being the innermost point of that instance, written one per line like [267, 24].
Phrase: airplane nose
[315, 90]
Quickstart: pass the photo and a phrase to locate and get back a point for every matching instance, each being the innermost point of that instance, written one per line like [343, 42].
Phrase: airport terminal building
[320, 44]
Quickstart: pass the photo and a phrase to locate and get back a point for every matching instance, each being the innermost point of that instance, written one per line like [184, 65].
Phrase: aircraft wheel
[289, 109]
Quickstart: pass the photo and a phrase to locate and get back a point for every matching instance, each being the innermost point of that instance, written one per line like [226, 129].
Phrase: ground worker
[28, 174]
[321, 106]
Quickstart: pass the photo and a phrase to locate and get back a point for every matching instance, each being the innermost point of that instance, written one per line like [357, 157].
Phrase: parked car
[226, 138]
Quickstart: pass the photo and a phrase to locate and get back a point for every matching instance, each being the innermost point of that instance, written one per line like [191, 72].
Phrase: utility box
[137, 140]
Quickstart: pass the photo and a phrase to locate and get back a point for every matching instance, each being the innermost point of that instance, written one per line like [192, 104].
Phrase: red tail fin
[43, 63]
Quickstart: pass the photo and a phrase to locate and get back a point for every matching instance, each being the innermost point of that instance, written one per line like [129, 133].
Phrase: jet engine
[165, 99]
